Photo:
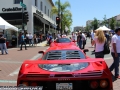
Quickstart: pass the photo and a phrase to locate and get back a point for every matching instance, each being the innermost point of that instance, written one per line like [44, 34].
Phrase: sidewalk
[10, 63]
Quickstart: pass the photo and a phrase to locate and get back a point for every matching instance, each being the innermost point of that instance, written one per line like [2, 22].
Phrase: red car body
[78, 74]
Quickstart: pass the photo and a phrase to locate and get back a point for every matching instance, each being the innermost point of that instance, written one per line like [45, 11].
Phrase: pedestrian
[30, 39]
[99, 41]
[3, 44]
[79, 40]
[115, 52]
[35, 40]
[83, 40]
[23, 41]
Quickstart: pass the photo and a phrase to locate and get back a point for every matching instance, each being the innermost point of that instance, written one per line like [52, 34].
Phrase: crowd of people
[98, 40]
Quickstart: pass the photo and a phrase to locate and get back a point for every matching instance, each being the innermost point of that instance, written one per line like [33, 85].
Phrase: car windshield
[63, 55]
[63, 40]
[63, 67]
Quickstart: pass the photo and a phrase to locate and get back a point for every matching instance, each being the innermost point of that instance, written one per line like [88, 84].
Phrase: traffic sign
[23, 5]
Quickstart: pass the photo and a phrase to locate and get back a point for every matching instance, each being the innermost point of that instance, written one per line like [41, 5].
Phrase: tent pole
[17, 39]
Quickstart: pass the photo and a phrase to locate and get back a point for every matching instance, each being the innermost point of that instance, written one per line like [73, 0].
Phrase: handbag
[106, 48]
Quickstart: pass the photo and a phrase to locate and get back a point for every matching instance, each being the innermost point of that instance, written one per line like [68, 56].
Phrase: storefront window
[17, 1]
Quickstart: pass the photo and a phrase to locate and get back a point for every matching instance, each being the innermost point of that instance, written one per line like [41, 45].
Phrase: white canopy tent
[4, 25]
[104, 28]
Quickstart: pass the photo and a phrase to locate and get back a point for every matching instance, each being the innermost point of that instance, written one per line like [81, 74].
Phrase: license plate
[64, 86]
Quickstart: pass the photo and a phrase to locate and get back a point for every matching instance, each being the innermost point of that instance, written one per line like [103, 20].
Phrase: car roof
[65, 47]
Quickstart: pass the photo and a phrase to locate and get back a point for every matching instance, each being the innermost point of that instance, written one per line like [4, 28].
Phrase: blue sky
[83, 10]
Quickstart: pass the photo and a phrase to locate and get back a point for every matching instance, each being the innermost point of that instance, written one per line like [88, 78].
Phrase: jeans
[115, 64]
[80, 44]
[99, 54]
[23, 42]
[30, 42]
[3, 48]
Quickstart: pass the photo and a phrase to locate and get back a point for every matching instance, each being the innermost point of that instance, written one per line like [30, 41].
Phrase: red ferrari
[65, 68]
[62, 41]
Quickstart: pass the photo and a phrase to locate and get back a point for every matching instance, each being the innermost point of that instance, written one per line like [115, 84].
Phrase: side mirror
[41, 52]
[85, 50]
[55, 41]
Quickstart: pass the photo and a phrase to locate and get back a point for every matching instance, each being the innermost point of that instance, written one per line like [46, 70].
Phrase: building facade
[78, 28]
[40, 19]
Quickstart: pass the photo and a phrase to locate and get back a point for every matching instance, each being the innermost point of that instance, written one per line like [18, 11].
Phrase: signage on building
[12, 9]
[39, 13]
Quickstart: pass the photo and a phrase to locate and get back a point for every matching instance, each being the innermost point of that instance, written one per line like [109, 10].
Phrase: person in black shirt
[79, 40]
[3, 44]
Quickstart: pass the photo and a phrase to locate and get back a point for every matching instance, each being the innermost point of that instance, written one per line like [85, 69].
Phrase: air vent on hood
[59, 54]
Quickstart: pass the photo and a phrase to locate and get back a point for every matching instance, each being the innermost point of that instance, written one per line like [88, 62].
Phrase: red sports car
[62, 68]
[62, 41]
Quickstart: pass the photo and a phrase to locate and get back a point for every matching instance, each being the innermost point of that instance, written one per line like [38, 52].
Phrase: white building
[89, 22]
[78, 28]
[40, 19]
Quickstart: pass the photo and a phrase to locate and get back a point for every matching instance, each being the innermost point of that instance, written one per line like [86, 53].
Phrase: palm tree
[65, 14]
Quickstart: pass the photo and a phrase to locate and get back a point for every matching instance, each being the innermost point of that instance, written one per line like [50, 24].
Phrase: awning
[52, 25]
[41, 19]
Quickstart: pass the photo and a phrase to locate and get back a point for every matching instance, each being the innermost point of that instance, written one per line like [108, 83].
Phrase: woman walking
[99, 41]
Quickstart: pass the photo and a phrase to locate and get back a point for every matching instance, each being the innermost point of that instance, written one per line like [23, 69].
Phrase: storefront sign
[39, 13]
[12, 9]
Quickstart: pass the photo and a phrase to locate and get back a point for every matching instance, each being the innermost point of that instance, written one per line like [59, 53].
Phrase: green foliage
[117, 24]
[105, 22]
[66, 15]
[112, 23]
[95, 24]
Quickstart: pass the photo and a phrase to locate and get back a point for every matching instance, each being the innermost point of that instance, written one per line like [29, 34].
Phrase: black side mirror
[41, 52]
[85, 50]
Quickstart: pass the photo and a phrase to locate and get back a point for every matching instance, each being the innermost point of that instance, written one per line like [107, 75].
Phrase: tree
[87, 28]
[117, 24]
[105, 22]
[95, 24]
[65, 14]
[112, 23]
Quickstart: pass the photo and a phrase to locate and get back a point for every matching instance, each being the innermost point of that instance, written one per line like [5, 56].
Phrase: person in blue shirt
[22, 38]
[50, 39]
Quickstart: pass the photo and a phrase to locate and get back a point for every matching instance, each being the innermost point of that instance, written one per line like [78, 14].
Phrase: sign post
[23, 6]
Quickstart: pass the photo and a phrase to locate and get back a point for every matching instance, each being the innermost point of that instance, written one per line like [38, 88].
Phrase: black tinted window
[63, 40]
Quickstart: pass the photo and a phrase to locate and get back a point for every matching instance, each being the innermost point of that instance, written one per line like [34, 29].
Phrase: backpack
[106, 48]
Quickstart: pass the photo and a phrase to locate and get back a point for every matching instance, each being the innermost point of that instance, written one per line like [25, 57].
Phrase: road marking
[8, 81]
[33, 58]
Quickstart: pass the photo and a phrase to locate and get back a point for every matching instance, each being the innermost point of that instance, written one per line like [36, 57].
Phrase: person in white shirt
[115, 52]
[83, 40]
[99, 41]
[30, 39]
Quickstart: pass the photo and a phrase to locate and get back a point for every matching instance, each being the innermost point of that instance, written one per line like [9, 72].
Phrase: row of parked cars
[65, 67]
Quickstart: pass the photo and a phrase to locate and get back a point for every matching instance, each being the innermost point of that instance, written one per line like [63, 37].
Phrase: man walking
[115, 52]
[23, 41]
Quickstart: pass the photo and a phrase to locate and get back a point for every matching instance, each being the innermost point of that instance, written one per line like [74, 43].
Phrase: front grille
[77, 85]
